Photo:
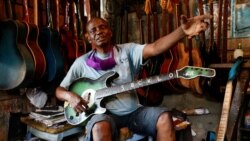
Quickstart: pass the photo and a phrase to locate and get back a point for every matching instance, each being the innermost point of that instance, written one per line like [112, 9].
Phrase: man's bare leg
[165, 128]
[102, 131]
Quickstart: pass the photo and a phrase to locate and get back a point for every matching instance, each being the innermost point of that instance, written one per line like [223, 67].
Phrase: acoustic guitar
[182, 50]
[213, 56]
[81, 42]
[17, 64]
[68, 42]
[195, 57]
[151, 95]
[93, 91]
[32, 42]
[170, 60]
[49, 41]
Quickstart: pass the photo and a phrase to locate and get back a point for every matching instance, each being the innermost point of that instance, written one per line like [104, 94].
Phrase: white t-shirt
[128, 58]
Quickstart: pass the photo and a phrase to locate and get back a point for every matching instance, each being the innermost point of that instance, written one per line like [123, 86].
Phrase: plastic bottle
[238, 51]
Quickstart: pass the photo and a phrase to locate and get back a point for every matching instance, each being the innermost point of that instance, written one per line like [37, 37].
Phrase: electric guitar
[227, 100]
[93, 91]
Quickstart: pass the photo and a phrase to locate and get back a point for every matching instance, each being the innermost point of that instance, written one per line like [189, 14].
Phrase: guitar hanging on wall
[93, 91]
[16, 62]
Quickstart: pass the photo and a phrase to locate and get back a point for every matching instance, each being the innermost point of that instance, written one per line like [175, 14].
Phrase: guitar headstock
[190, 72]
[234, 69]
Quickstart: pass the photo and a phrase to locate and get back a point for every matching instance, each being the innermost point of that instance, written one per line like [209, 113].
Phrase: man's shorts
[142, 121]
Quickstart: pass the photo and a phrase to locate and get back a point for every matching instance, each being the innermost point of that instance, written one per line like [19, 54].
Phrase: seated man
[123, 110]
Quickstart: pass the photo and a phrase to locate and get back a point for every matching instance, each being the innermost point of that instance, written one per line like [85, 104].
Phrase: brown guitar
[81, 38]
[219, 25]
[213, 55]
[32, 41]
[151, 95]
[68, 42]
[225, 27]
[194, 57]
[181, 48]
[170, 61]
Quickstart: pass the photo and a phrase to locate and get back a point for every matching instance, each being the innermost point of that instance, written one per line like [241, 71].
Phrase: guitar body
[169, 64]
[68, 41]
[69, 46]
[86, 88]
[25, 51]
[32, 42]
[170, 60]
[45, 43]
[49, 41]
[150, 96]
[55, 44]
[180, 49]
[12, 61]
[36, 51]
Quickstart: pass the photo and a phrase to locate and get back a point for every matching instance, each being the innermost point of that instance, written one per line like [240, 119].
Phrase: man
[126, 60]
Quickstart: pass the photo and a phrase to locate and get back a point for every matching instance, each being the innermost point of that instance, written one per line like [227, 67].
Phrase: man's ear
[111, 33]
[87, 37]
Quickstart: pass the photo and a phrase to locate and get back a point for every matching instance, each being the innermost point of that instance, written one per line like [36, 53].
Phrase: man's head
[99, 32]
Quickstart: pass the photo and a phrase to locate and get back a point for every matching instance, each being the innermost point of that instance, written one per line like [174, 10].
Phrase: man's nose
[98, 30]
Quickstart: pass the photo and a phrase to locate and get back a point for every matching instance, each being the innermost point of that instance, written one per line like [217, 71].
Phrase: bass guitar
[93, 91]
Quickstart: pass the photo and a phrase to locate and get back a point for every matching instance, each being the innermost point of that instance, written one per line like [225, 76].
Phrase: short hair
[96, 18]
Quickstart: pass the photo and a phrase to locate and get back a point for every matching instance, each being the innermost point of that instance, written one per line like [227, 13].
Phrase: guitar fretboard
[186, 73]
[225, 111]
[134, 85]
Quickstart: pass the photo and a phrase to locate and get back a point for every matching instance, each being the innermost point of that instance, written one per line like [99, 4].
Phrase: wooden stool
[49, 133]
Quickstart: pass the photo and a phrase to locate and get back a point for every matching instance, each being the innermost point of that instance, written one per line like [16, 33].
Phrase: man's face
[99, 33]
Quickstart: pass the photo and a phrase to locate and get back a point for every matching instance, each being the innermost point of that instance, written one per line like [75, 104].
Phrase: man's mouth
[100, 39]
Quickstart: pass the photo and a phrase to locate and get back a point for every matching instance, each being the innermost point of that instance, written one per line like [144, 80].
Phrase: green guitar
[94, 91]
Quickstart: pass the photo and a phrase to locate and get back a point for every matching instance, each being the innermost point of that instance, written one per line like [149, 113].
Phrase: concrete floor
[199, 124]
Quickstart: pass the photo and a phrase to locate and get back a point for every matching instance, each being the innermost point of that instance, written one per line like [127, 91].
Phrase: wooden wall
[12, 101]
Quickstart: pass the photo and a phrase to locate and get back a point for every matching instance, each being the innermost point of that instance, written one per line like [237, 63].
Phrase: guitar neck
[186, 73]
[105, 92]
[225, 112]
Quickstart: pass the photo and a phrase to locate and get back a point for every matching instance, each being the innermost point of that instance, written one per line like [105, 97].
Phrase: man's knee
[165, 119]
[101, 126]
